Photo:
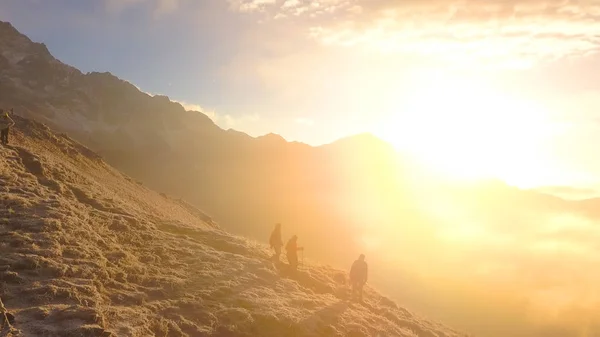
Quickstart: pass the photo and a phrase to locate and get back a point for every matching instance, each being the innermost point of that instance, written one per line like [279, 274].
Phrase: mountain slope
[89, 252]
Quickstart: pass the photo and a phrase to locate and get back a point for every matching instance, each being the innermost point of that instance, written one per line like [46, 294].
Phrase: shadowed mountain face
[355, 195]
[87, 251]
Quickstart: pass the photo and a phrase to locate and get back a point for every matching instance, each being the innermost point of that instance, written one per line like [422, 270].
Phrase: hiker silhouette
[292, 252]
[5, 123]
[358, 276]
[276, 242]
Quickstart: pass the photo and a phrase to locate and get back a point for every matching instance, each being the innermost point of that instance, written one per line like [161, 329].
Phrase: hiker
[6, 318]
[358, 276]
[292, 252]
[5, 123]
[276, 242]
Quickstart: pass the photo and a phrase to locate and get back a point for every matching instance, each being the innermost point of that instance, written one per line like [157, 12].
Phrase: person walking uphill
[292, 252]
[5, 123]
[358, 276]
[276, 242]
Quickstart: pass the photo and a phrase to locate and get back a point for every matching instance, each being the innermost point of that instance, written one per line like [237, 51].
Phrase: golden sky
[479, 88]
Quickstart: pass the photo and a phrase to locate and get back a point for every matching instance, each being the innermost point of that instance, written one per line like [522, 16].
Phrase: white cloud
[195, 107]
[355, 9]
[250, 5]
[290, 4]
[489, 34]
[190, 106]
[225, 121]
[238, 122]
[291, 7]
[159, 7]
[492, 33]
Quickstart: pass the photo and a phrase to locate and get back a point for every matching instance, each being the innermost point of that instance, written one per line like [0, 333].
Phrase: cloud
[195, 107]
[250, 5]
[493, 33]
[570, 192]
[238, 122]
[158, 7]
[292, 7]
[290, 4]
[190, 106]
[225, 121]
[539, 256]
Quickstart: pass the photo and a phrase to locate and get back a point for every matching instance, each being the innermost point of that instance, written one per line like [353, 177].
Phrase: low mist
[490, 259]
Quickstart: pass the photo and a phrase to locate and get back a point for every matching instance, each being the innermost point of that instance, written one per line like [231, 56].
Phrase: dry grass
[87, 252]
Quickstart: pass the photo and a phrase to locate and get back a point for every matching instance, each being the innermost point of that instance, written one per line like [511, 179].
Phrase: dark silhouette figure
[6, 318]
[276, 242]
[358, 276]
[5, 123]
[292, 252]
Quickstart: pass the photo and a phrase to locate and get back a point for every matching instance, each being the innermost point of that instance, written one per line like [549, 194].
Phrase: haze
[477, 207]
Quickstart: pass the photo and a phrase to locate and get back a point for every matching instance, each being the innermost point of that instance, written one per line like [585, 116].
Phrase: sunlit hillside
[88, 251]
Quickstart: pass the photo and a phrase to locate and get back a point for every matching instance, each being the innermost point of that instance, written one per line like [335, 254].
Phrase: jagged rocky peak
[105, 77]
[107, 80]
[15, 46]
[161, 98]
[164, 103]
[7, 28]
[273, 137]
[31, 63]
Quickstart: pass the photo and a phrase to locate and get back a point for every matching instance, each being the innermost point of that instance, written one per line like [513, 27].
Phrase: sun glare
[464, 131]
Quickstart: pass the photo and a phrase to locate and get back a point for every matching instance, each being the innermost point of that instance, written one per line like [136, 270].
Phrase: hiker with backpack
[5, 123]
[358, 276]
[292, 252]
[276, 242]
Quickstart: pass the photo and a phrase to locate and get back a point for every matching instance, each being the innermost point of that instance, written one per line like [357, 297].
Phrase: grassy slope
[89, 252]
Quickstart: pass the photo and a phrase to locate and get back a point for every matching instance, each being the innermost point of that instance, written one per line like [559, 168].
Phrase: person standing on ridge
[5, 123]
[292, 252]
[276, 242]
[358, 276]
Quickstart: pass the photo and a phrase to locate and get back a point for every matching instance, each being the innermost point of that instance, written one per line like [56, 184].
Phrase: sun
[463, 130]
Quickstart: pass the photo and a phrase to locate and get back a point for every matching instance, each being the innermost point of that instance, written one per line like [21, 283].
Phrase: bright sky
[508, 83]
